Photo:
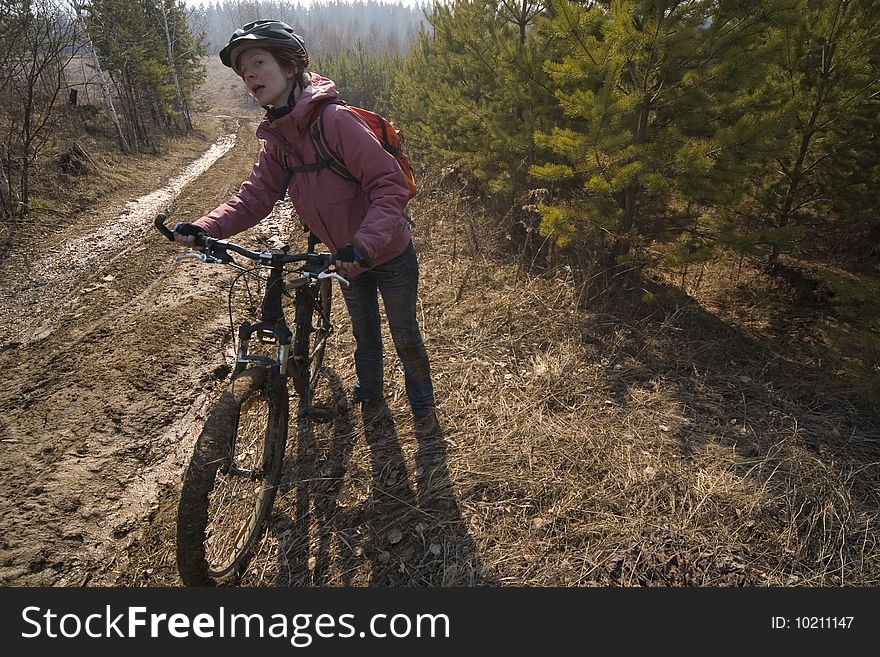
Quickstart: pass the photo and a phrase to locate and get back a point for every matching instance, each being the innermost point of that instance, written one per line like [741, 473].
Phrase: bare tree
[11, 34]
[77, 6]
[7, 201]
[34, 75]
[169, 48]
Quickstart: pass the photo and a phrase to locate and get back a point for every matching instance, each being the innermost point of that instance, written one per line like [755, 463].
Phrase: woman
[361, 221]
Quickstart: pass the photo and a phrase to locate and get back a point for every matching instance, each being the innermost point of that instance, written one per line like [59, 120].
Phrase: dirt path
[111, 352]
[102, 371]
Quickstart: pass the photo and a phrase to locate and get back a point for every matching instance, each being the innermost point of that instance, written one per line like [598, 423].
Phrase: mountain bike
[233, 475]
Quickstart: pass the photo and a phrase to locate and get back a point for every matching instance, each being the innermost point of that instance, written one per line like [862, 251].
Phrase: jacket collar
[297, 113]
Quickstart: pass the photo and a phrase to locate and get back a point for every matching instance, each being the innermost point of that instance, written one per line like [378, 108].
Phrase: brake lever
[191, 254]
[204, 257]
[326, 274]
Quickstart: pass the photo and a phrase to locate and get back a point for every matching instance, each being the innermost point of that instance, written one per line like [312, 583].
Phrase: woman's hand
[187, 233]
[348, 259]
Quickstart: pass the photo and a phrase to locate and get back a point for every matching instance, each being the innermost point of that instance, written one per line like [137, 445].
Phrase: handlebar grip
[159, 222]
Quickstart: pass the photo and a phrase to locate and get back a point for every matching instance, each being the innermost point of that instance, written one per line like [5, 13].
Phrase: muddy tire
[227, 497]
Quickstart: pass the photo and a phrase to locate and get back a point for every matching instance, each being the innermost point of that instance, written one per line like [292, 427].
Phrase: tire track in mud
[54, 275]
[106, 367]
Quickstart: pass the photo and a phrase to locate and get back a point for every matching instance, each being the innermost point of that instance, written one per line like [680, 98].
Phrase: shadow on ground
[397, 525]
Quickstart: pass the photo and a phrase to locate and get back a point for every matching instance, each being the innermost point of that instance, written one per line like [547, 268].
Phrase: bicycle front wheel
[232, 478]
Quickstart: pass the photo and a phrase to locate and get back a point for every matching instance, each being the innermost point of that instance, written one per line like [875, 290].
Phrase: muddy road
[104, 366]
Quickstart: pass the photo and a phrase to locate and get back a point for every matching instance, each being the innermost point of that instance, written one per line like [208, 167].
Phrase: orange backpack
[386, 133]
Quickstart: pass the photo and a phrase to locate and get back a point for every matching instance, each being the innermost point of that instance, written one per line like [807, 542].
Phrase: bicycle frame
[273, 321]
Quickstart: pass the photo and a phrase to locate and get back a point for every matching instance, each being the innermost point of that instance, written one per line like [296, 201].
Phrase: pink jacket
[367, 212]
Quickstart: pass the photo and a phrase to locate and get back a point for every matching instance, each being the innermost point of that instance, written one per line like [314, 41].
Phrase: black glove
[189, 229]
[349, 254]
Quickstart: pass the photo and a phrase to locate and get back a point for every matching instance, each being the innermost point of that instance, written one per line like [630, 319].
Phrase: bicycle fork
[272, 329]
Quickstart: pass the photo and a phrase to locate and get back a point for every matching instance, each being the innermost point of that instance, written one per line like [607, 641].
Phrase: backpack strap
[328, 157]
[289, 171]
[386, 143]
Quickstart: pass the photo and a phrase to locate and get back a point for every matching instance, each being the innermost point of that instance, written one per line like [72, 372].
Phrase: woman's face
[265, 79]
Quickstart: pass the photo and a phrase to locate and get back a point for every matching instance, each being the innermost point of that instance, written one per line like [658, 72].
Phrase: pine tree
[659, 101]
[828, 74]
[471, 93]
[363, 78]
[183, 49]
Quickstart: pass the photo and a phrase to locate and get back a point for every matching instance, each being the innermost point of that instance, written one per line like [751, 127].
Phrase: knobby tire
[310, 339]
[221, 516]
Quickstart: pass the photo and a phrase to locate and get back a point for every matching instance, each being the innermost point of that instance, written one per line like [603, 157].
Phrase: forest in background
[359, 45]
[621, 135]
[663, 131]
[139, 63]
[328, 27]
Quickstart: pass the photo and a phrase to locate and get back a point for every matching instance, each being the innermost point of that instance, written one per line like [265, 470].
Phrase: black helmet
[262, 33]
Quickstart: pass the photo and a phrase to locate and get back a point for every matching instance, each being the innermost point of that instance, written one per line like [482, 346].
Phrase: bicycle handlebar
[217, 249]
[159, 222]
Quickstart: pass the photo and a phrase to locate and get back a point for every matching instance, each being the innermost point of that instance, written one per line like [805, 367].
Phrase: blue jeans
[398, 282]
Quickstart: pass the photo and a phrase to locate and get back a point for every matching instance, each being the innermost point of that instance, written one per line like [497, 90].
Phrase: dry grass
[647, 442]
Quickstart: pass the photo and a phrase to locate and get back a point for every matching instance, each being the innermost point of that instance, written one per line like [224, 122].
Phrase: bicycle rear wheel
[310, 339]
[321, 332]
[230, 484]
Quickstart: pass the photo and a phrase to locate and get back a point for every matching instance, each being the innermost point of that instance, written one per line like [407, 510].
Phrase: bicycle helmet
[262, 33]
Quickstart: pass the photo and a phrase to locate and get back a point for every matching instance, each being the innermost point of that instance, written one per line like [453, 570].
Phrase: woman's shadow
[405, 528]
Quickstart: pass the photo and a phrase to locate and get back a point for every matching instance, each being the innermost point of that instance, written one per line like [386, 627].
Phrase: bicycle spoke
[236, 499]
